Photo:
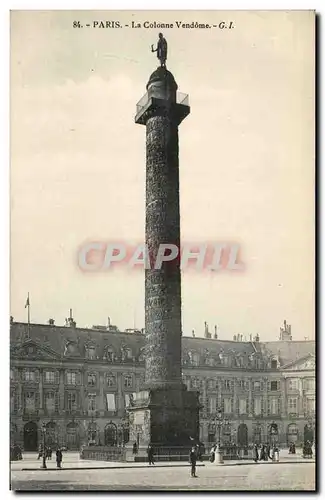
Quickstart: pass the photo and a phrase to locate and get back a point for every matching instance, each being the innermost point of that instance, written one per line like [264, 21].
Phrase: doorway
[30, 437]
[242, 436]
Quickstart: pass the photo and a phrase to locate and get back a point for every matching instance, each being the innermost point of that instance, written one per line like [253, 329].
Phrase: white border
[4, 170]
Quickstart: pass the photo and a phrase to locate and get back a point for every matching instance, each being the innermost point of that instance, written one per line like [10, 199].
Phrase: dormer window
[225, 360]
[194, 358]
[142, 355]
[109, 355]
[274, 364]
[126, 353]
[90, 352]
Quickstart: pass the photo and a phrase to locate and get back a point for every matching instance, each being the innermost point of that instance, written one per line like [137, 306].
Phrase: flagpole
[28, 315]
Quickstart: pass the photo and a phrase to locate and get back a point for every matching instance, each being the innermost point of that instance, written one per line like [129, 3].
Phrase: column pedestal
[168, 419]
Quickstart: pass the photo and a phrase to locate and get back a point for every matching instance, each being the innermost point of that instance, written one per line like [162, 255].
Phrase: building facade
[78, 383]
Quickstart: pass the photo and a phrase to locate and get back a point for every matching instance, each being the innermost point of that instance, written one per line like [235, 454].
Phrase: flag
[27, 302]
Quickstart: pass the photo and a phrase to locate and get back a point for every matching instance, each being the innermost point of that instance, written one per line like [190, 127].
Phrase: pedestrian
[262, 454]
[193, 458]
[150, 455]
[256, 453]
[268, 451]
[135, 448]
[40, 452]
[212, 454]
[58, 458]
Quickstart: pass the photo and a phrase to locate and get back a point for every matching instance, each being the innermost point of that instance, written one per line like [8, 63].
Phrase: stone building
[78, 382]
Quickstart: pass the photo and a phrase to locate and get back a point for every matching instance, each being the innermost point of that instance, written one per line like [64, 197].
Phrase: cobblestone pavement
[268, 476]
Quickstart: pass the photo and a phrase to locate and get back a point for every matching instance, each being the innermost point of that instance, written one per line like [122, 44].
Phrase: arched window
[257, 434]
[292, 432]
[72, 436]
[110, 434]
[93, 434]
[51, 434]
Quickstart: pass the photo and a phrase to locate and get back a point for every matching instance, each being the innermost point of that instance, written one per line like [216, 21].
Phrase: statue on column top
[161, 50]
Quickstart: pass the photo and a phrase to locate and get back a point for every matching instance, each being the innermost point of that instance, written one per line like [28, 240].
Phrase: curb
[224, 464]
[146, 466]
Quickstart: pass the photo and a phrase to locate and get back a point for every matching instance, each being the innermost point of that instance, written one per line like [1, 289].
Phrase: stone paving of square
[232, 477]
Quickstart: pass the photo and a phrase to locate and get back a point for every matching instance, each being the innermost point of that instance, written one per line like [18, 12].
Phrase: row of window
[273, 405]
[31, 401]
[244, 385]
[72, 378]
[195, 359]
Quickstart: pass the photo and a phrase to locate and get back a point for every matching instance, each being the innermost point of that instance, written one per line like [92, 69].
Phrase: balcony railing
[180, 99]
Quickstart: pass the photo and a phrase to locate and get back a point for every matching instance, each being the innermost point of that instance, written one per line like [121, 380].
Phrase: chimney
[215, 331]
[235, 338]
[69, 321]
[285, 325]
[108, 323]
[142, 331]
[241, 338]
[51, 322]
[11, 320]
[257, 338]
[250, 337]
[207, 335]
[193, 333]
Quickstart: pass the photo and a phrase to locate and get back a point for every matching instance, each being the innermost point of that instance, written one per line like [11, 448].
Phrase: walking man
[193, 458]
[256, 453]
[58, 458]
[150, 455]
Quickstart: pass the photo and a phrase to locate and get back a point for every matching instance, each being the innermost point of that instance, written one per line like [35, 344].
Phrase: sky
[246, 164]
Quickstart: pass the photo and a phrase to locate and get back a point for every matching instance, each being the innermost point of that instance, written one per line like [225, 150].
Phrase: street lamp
[44, 451]
[217, 454]
[218, 420]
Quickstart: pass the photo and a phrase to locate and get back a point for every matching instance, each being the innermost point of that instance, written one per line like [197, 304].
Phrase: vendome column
[163, 413]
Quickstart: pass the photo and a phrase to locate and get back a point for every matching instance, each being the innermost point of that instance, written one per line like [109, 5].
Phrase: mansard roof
[291, 350]
[56, 338]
